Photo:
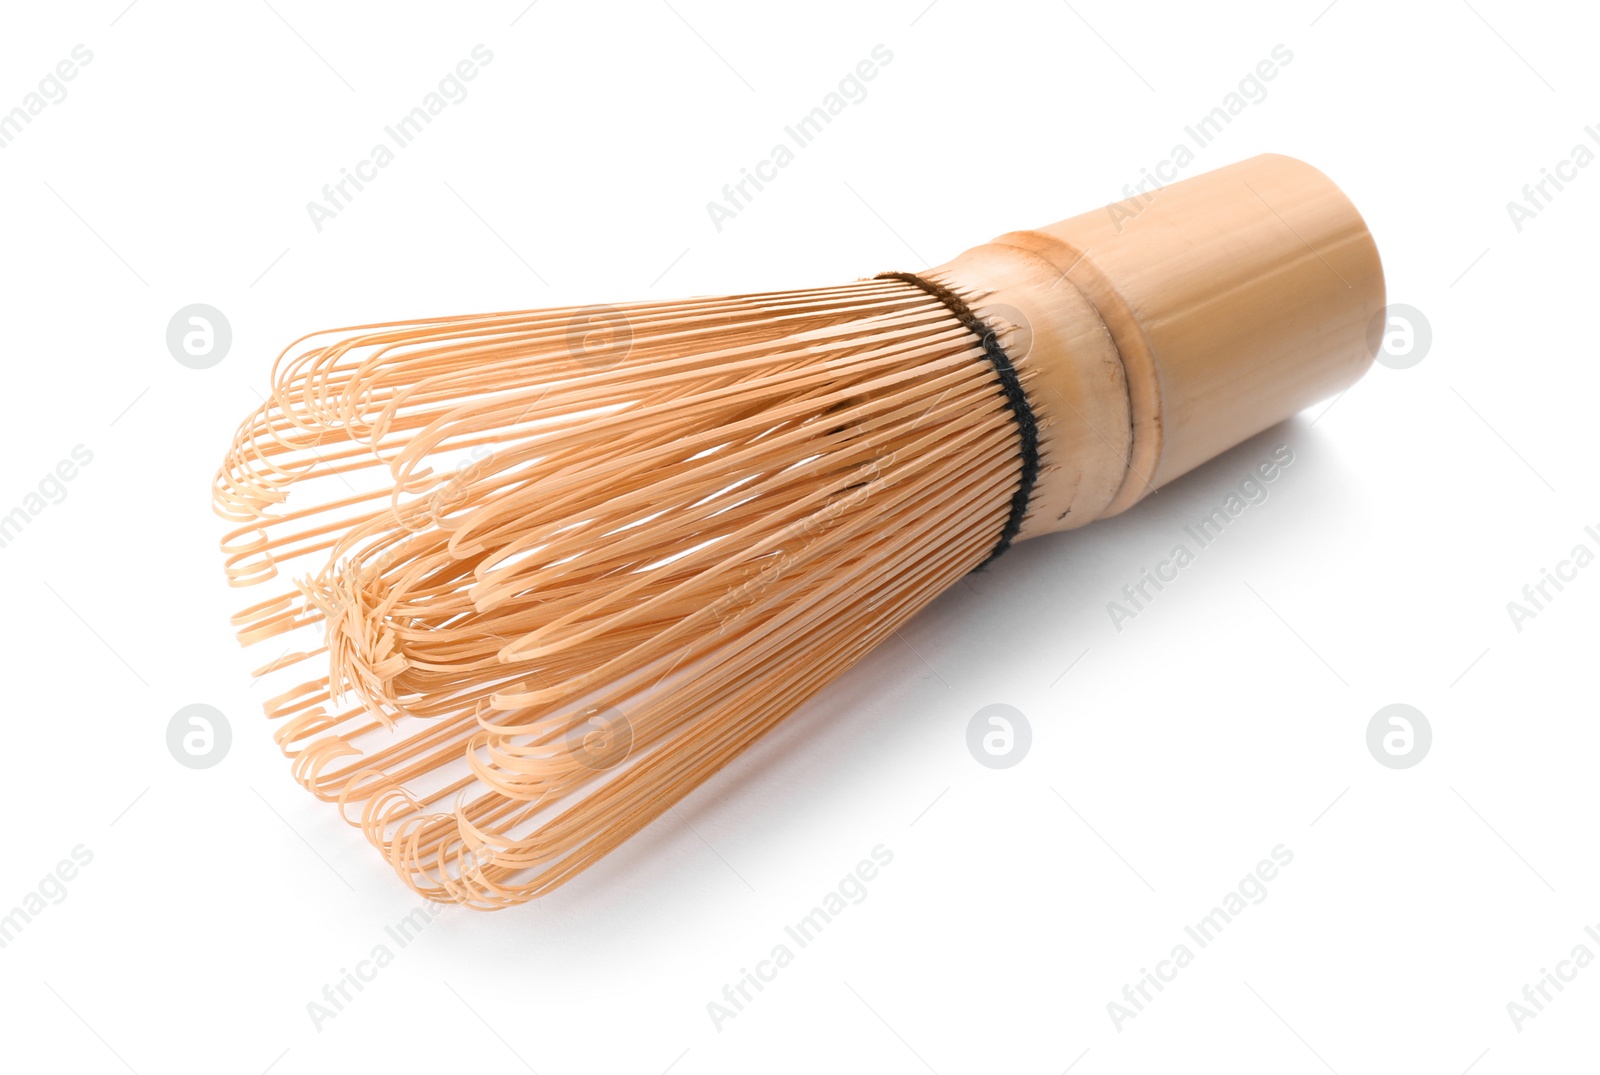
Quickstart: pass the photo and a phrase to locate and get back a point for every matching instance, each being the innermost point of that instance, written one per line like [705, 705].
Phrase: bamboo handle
[1159, 332]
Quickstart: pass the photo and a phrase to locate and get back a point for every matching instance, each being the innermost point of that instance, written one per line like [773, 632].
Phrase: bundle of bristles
[548, 571]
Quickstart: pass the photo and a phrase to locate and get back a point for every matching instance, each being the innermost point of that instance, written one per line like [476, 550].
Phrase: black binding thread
[1016, 402]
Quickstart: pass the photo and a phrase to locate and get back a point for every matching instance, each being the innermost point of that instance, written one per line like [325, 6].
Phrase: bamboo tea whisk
[545, 572]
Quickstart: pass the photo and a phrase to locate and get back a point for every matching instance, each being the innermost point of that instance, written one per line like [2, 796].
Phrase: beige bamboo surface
[1236, 298]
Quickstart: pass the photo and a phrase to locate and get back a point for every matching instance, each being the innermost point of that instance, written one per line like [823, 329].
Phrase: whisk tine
[635, 531]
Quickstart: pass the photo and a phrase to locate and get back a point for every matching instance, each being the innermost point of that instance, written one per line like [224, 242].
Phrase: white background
[1227, 718]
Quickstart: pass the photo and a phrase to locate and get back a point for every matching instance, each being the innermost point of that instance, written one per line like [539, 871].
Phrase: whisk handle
[1167, 328]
